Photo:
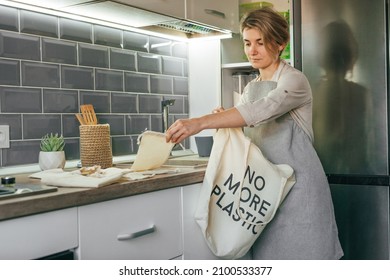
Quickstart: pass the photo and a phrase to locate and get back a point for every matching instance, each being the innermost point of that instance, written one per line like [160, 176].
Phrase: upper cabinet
[174, 18]
[174, 8]
[218, 13]
[50, 4]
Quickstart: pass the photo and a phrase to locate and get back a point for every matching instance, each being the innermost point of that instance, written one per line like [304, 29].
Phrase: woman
[276, 113]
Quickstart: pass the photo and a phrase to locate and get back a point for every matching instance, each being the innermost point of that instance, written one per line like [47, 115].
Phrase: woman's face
[254, 47]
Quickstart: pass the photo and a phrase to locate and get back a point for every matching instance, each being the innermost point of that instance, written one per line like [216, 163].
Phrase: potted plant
[52, 153]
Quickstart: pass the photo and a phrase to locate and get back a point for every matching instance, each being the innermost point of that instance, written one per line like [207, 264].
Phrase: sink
[25, 190]
[194, 163]
[181, 161]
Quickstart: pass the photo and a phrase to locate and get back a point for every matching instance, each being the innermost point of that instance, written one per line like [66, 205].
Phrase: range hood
[121, 13]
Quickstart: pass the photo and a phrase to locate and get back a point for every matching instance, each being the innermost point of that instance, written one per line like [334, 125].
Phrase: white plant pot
[51, 160]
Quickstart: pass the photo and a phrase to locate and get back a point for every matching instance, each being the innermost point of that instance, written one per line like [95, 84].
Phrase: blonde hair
[273, 27]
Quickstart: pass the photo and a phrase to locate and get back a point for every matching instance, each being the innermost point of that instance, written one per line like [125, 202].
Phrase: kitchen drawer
[108, 230]
[38, 235]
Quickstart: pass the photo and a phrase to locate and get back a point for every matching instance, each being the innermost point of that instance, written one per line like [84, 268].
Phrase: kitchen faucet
[165, 111]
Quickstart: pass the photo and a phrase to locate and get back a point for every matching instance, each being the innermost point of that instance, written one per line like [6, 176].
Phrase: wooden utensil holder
[95, 145]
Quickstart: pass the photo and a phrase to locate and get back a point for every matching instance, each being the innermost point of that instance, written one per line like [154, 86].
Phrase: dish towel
[61, 178]
[99, 178]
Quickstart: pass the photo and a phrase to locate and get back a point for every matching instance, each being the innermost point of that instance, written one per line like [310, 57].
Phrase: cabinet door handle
[132, 235]
[215, 13]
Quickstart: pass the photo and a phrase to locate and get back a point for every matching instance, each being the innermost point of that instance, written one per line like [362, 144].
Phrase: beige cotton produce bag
[240, 195]
[153, 151]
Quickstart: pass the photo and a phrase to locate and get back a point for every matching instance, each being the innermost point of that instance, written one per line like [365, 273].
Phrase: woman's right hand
[181, 129]
[220, 118]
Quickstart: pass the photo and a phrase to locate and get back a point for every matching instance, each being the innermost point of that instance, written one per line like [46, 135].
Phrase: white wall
[204, 80]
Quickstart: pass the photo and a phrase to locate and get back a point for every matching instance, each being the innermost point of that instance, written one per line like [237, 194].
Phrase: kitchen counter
[71, 197]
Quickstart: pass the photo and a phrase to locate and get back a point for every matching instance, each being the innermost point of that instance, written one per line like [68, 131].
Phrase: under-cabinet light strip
[91, 20]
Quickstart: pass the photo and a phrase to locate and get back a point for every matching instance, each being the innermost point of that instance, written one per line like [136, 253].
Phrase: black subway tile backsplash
[109, 80]
[9, 72]
[135, 41]
[15, 123]
[40, 74]
[107, 36]
[149, 103]
[136, 124]
[75, 30]
[180, 86]
[122, 59]
[9, 18]
[161, 84]
[172, 66]
[21, 152]
[178, 106]
[20, 100]
[47, 123]
[100, 100]
[38, 24]
[70, 126]
[156, 122]
[19, 46]
[77, 77]
[91, 55]
[50, 65]
[136, 82]
[60, 101]
[72, 148]
[124, 103]
[160, 46]
[59, 51]
[186, 105]
[123, 145]
[149, 63]
[116, 122]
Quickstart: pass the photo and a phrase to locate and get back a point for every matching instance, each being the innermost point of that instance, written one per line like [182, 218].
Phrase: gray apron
[304, 226]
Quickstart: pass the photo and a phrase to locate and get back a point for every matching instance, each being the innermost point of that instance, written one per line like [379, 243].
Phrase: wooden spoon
[88, 113]
[80, 118]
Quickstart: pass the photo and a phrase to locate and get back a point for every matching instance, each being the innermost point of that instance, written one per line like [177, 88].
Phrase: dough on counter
[153, 151]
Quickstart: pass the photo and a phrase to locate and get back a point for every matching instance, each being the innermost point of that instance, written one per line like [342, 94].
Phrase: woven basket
[95, 145]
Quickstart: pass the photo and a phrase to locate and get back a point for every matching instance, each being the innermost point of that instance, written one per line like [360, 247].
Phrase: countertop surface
[73, 197]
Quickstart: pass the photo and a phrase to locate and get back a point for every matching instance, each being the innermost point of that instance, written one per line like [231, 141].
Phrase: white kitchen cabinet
[144, 226]
[38, 235]
[195, 247]
[204, 74]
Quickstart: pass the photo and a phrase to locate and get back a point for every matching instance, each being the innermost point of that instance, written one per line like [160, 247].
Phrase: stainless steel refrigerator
[343, 48]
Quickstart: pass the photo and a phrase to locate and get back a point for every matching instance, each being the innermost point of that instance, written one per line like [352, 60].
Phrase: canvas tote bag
[240, 194]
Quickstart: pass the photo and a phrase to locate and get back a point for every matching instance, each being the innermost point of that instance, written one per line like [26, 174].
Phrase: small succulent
[52, 143]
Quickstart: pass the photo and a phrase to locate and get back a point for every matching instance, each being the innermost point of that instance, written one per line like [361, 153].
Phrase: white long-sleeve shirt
[292, 95]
